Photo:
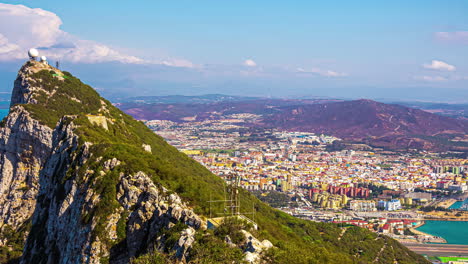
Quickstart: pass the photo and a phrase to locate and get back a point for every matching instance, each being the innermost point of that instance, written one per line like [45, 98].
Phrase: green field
[447, 259]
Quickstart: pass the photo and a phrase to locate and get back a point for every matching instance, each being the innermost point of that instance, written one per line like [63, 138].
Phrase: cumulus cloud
[453, 37]
[250, 63]
[439, 65]
[6, 46]
[431, 78]
[23, 28]
[326, 73]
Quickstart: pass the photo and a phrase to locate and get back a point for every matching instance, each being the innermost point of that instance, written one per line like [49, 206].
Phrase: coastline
[447, 219]
[453, 232]
[432, 239]
[421, 224]
[447, 203]
[417, 232]
[446, 216]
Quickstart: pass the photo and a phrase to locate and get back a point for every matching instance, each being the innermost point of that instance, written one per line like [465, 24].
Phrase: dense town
[385, 191]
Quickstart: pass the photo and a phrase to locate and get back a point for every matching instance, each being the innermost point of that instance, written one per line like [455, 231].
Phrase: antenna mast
[232, 204]
[234, 194]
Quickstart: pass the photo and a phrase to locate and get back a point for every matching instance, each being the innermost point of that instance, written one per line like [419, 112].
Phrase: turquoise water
[455, 232]
[3, 113]
[458, 204]
[4, 105]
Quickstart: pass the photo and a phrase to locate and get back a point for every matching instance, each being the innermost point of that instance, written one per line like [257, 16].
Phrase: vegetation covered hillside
[294, 240]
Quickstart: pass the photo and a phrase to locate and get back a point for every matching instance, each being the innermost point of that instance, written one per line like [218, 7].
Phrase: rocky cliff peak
[76, 191]
[24, 89]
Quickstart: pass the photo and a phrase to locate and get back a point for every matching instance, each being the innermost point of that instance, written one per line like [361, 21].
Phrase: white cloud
[439, 65]
[431, 78]
[23, 28]
[178, 63]
[326, 73]
[6, 46]
[455, 37]
[250, 63]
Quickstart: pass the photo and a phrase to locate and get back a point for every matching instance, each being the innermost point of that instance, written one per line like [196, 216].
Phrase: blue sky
[372, 49]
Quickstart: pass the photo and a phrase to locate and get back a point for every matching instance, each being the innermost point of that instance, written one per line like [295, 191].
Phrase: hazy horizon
[380, 51]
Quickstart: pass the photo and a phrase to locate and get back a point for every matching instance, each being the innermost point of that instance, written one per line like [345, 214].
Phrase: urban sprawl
[387, 192]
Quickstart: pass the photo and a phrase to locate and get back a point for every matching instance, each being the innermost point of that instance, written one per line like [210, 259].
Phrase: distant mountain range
[456, 110]
[378, 124]
[172, 99]
[452, 110]
[382, 125]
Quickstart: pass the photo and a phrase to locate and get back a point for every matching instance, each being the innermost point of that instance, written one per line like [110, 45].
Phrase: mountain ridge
[118, 193]
[382, 125]
[378, 124]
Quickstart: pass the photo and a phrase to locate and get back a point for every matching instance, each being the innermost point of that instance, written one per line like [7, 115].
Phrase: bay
[455, 232]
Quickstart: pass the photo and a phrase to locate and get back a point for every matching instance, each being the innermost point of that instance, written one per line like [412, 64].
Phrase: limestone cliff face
[60, 231]
[41, 181]
[25, 145]
[23, 92]
[24, 148]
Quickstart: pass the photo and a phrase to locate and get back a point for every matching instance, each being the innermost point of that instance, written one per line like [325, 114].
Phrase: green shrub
[208, 249]
[152, 258]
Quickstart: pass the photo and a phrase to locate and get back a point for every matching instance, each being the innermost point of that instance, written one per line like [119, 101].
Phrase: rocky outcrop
[253, 248]
[154, 211]
[60, 231]
[83, 208]
[42, 181]
[24, 91]
[185, 242]
[25, 145]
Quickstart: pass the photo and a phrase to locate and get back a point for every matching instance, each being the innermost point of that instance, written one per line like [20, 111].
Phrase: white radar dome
[43, 58]
[33, 53]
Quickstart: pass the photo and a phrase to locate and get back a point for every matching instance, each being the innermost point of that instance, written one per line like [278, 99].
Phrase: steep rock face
[23, 92]
[56, 232]
[154, 211]
[25, 145]
[60, 232]
[35, 179]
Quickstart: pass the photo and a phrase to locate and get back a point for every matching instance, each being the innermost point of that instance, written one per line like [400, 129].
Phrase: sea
[458, 204]
[4, 108]
[455, 232]
[3, 113]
